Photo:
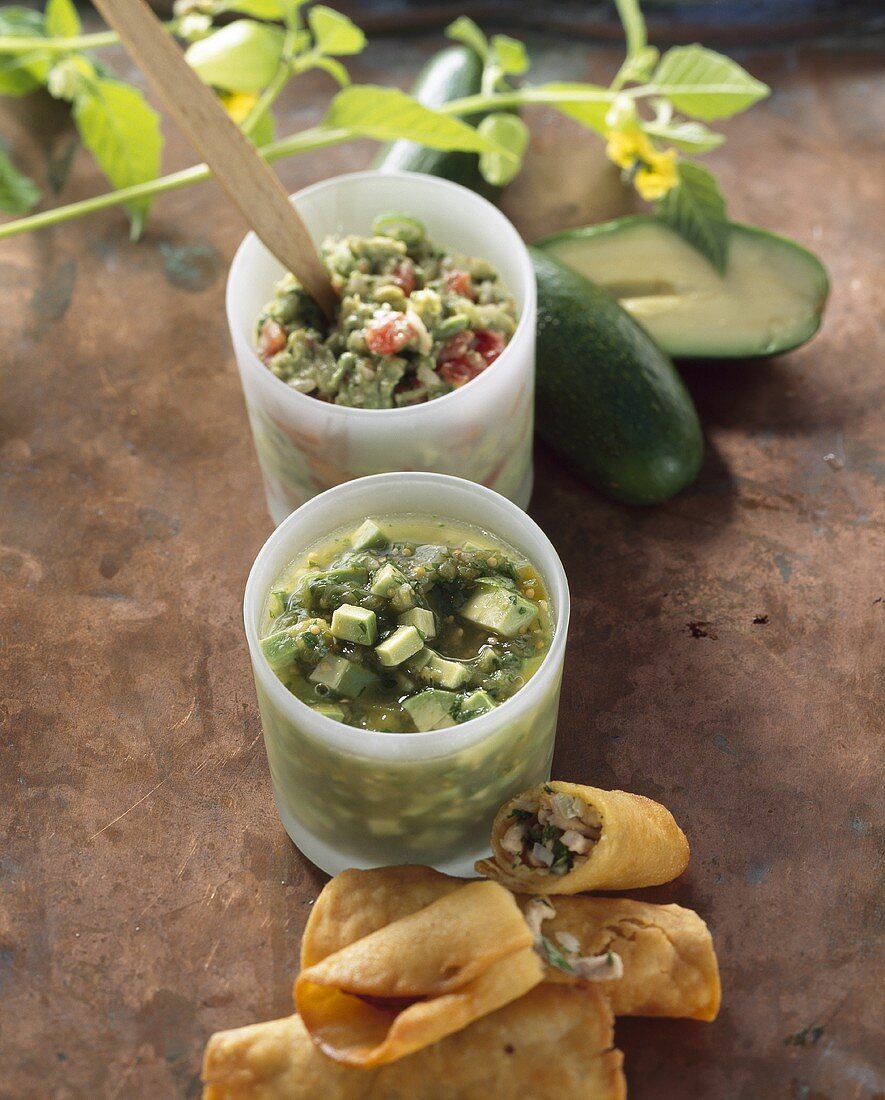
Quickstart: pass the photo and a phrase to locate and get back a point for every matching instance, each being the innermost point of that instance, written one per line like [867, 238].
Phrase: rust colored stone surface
[725, 656]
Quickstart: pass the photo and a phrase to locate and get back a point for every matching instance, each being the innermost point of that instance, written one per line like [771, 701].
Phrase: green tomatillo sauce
[406, 624]
[416, 321]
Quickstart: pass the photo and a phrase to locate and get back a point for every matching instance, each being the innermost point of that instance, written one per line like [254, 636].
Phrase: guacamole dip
[416, 321]
[407, 624]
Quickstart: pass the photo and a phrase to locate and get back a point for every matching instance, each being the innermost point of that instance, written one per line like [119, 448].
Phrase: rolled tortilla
[590, 840]
[556, 1042]
[666, 953]
[356, 903]
[669, 962]
[424, 976]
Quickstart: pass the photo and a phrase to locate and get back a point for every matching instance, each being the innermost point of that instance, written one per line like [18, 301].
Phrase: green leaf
[465, 31]
[292, 13]
[590, 113]
[633, 24]
[706, 85]
[15, 20]
[693, 137]
[638, 68]
[70, 77]
[18, 193]
[241, 57]
[334, 33]
[510, 55]
[19, 72]
[257, 9]
[61, 19]
[23, 72]
[264, 130]
[387, 114]
[122, 132]
[510, 133]
[695, 208]
[333, 68]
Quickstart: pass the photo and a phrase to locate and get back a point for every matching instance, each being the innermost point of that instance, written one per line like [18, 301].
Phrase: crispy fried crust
[424, 976]
[555, 1043]
[640, 845]
[670, 966]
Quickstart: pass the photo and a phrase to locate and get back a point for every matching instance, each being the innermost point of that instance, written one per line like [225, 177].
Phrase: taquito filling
[554, 834]
[565, 954]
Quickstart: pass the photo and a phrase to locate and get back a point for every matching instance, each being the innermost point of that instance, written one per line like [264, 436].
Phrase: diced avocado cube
[496, 581]
[499, 610]
[525, 571]
[404, 598]
[330, 710]
[355, 624]
[422, 619]
[351, 572]
[305, 641]
[475, 704]
[280, 647]
[368, 534]
[403, 643]
[431, 710]
[404, 682]
[387, 580]
[416, 663]
[302, 588]
[445, 673]
[345, 677]
[276, 603]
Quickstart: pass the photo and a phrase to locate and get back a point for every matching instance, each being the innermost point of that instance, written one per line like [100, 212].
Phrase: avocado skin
[608, 400]
[452, 73]
[775, 240]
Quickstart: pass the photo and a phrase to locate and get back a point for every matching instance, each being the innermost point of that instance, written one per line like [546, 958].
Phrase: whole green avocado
[608, 400]
[453, 73]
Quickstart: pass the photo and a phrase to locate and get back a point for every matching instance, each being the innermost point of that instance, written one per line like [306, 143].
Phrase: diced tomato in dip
[459, 283]
[414, 321]
[467, 354]
[489, 344]
[456, 346]
[389, 333]
[457, 371]
[272, 339]
[404, 276]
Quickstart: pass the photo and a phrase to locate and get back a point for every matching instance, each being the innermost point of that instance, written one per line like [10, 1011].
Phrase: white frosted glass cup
[482, 431]
[351, 797]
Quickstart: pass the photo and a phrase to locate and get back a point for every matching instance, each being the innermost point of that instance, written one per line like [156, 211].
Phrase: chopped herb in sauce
[383, 630]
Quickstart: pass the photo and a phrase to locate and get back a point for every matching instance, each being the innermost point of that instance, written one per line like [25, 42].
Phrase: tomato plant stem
[317, 137]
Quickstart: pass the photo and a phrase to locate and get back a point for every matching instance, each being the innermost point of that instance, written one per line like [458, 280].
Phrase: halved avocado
[770, 299]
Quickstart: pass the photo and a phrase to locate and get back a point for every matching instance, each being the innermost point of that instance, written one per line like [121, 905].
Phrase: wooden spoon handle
[246, 178]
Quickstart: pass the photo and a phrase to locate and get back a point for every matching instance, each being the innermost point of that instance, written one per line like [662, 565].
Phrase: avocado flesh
[770, 299]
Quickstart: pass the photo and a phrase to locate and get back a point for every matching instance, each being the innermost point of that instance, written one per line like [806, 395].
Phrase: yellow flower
[627, 145]
[656, 176]
[652, 173]
[238, 104]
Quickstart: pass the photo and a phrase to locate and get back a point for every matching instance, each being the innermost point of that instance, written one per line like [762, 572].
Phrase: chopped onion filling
[567, 957]
[553, 834]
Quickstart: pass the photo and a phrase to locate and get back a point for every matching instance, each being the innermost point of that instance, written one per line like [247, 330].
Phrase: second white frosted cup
[351, 797]
[482, 431]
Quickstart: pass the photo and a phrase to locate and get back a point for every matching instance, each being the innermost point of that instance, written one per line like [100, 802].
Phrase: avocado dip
[407, 624]
[416, 321]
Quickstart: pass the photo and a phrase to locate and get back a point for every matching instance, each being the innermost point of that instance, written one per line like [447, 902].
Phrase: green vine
[653, 116]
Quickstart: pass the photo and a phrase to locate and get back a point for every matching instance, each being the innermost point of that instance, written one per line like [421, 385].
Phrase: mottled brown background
[726, 652]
